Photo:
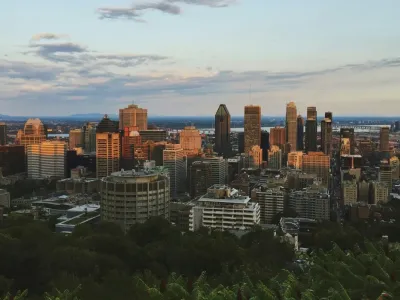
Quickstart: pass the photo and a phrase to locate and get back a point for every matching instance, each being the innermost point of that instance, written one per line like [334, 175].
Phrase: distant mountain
[96, 116]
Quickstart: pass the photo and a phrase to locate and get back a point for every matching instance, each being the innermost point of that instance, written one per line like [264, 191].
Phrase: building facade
[252, 127]
[132, 116]
[291, 125]
[222, 131]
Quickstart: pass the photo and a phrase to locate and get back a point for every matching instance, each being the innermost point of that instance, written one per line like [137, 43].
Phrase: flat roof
[239, 200]
[85, 207]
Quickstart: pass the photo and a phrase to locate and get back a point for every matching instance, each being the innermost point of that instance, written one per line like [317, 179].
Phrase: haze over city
[183, 57]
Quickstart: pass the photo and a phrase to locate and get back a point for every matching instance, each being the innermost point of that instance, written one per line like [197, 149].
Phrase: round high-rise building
[130, 197]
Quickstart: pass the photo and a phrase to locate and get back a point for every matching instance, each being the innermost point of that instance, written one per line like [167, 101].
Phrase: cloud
[27, 71]
[135, 12]
[48, 36]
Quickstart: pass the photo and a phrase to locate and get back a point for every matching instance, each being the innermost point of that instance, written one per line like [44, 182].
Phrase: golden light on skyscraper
[291, 125]
[132, 116]
[252, 127]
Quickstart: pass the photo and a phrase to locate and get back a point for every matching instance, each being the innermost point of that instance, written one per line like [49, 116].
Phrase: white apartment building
[271, 202]
[224, 208]
[47, 159]
[349, 192]
[312, 203]
[380, 192]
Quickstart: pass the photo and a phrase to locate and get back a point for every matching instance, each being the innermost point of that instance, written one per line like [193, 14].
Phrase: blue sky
[184, 57]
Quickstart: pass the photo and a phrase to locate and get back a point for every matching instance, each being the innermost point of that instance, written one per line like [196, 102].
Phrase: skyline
[338, 56]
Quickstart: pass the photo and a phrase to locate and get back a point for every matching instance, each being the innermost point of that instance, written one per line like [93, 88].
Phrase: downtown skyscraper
[291, 125]
[311, 129]
[326, 134]
[222, 131]
[252, 127]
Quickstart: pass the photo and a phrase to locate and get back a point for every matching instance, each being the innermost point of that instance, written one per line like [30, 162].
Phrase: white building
[47, 159]
[224, 208]
[174, 161]
[349, 192]
[380, 192]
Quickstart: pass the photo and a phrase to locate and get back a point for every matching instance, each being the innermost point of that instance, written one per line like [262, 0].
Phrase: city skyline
[161, 55]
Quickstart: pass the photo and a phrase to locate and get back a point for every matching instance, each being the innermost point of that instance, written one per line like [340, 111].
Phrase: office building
[222, 131]
[131, 148]
[385, 174]
[132, 116]
[277, 136]
[155, 135]
[33, 133]
[219, 168]
[366, 147]
[252, 127]
[311, 113]
[347, 141]
[384, 139]
[255, 157]
[300, 133]
[349, 192]
[270, 200]
[180, 215]
[108, 147]
[75, 138]
[326, 136]
[131, 197]
[311, 130]
[317, 163]
[3, 134]
[174, 161]
[295, 160]
[379, 192]
[200, 178]
[312, 202]
[291, 126]
[350, 161]
[395, 166]
[190, 140]
[47, 159]
[264, 145]
[223, 208]
[329, 115]
[275, 158]
[12, 159]
[240, 138]
[89, 137]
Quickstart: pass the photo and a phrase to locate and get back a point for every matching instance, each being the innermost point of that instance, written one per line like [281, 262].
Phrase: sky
[185, 57]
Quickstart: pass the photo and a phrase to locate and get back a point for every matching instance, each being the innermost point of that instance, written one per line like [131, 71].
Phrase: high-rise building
[155, 135]
[47, 159]
[108, 147]
[75, 138]
[200, 178]
[252, 127]
[347, 141]
[174, 161]
[295, 160]
[3, 134]
[132, 116]
[326, 136]
[240, 138]
[379, 192]
[275, 158]
[395, 166]
[255, 156]
[216, 208]
[365, 146]
[313, 203]
[349, 192]
[329, 115]
[384, 139]
[12, 159]
[190, 140]
[131, 145]
[317, 163]
[385, 174]
[219, 168]
[89, 137]
[131, 197]
[277, 136]
[271, 202]
[222, 131]
[291, 125]
[32, 134]
[264, 144]
[300, 133]
[311, 129]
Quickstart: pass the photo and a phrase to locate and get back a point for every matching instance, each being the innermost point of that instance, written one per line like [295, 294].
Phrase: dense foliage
[156, 261]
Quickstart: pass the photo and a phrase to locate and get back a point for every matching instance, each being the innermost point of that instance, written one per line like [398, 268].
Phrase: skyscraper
[75, 138]
[264, 144]
[132, 116]
[311, 129]
[384, 139]
[190, 140]
[200, 178]
[108, 147]
[326, 136]
[222, 131]
[252, 127]
[347, 141]
[33, 133]
[291, 125]
[277, 136]
[300, 133]
[174, 161]
[3, 133]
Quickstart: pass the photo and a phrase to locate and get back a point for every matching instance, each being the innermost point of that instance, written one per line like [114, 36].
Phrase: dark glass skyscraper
[300, 133]
[311, 129]
[3, 133]
[264, 145]
[222, 131]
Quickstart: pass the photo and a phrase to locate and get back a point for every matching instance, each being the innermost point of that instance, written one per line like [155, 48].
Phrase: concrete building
[200, 178]
[295, 160]
[395, 166]
[291, 126]
[317, 163]
[271, 202]
[4, 198]
[3, 134]
[132, 116]
[190, 140]
[12, 159]
[78, 185]
[47, 159]
[300, 133]
[33, 133]
[155, 135]
[256, 155]
[180, 215]
[385, 175]
[384, 139]
[277, 136]
[379, 192]
[174, 161]
[219, 169]
[275, 158]
[326, 136]
[349, 192]
[83, 214]
[89, 137]
[312, 202]
[224, 208]
[75, 139]
[252, 127]
[130, 197]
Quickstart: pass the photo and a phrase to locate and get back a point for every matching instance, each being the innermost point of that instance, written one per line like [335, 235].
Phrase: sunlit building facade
[132, 116]
[291, 125]
[252, 127]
